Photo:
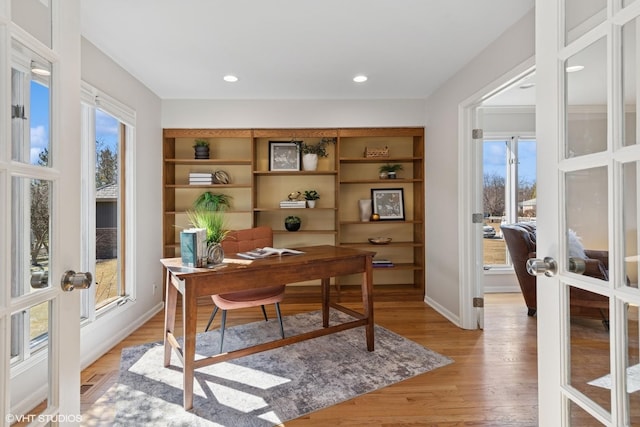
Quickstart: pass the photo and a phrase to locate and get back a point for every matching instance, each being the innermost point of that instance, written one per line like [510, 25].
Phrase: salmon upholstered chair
[242, 241]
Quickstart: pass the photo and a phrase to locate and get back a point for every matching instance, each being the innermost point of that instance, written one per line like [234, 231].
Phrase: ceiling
[295, 49]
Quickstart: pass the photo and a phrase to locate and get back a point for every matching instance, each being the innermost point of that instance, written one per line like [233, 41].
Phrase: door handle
[577, 265]
[547, 266]
[72, 280]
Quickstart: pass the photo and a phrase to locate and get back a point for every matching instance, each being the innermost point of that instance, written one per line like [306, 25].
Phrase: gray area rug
[268, 388]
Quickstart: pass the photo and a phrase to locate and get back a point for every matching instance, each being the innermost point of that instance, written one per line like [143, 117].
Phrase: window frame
[93, 99]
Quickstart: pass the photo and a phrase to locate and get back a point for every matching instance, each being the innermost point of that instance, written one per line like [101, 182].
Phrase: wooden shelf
[342, 178]
[201, 162]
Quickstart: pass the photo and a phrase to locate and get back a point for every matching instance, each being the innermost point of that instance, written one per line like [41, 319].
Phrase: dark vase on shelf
[292, 223]
[201, 152]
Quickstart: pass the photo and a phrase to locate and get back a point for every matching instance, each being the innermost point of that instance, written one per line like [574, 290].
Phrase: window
[107, 133]
[509, 191]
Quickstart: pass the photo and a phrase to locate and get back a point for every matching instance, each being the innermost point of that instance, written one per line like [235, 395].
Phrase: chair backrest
[521, 242]
[247, 239]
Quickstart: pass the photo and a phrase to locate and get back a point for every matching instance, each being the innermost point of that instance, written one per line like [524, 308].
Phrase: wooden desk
[318, 262]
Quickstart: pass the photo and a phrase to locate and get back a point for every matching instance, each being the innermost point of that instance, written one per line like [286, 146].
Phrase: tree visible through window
[509, 191]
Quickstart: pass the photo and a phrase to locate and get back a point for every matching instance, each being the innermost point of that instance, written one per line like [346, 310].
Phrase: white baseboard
[443, 311]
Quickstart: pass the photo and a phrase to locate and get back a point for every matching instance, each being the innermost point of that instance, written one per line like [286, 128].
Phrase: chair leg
[222, 325]
[215, 310]
[280, 319]
[264, 313]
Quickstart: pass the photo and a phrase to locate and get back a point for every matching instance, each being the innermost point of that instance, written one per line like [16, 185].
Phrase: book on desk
[265, 252]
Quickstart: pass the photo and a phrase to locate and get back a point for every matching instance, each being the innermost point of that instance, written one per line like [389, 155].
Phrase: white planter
[309, 162]
[311, 203]
[364, 205]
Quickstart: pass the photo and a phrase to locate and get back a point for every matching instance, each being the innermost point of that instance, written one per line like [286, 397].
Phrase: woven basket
[376, 152]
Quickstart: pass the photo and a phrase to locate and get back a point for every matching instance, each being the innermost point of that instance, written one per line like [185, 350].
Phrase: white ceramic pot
[311, 203]
[309, 162]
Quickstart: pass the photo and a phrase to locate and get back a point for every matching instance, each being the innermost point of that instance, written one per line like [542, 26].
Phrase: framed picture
[284, 156]
[388, 203]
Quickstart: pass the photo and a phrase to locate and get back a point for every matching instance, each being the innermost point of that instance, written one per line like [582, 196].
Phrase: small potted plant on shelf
[311, 152]
[292, 223]
[212, 202]
[311, 196]
[201, 148]
[389, 171]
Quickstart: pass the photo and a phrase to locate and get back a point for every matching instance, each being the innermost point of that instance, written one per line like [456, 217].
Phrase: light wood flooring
[491, 383]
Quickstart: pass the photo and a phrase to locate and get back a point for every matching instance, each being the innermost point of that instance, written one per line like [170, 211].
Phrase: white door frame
[470, 264]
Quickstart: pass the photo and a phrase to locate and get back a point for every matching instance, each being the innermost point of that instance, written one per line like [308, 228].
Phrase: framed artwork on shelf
[388, 203]
[284, 156]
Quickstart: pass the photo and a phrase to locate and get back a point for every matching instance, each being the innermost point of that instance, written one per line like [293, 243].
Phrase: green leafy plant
[319, 148]
[212, 202]
[391, 168]
[291, 219]
[201, 143]
[213, 221]
[311, 195]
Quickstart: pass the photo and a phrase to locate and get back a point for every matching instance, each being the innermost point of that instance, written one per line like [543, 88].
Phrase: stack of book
[293, 204]
[193, 247]
[196, 178]
[378, 263]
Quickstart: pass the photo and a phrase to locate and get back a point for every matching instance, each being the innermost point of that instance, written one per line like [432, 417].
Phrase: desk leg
[169, 317]
[324, 283]
[367, 301]
[189, 321]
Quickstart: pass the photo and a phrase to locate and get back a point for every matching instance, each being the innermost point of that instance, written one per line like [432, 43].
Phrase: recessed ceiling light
[360, 78]
[39, 69]
[526, 85]
[574, 68]
[229, 78]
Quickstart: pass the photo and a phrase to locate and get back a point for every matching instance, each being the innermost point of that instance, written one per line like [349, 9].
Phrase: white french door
[39, 211]
[588, 128]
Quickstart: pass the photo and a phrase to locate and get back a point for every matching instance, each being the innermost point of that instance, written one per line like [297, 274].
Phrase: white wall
[291, 113]
[102, 73]
[513, 48]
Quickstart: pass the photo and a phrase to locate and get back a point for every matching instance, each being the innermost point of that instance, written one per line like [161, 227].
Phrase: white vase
[311, 203]
[365, 209]
[309, 162]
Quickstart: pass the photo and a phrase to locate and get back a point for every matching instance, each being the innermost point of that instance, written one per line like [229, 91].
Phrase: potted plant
[389, 171]
[201, 148]
[311, 196]
[311, 152]
[214, 222]
[212, 202]
[292, 223]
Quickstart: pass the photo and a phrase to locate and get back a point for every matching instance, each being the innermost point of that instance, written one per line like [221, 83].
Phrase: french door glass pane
[583, 15]
[633, 364]
[580, 418]
[587, 218]
[30, 107]
[587, 101]
[30, 235]
[29, 337]
[630, 88]
[630, 222]
[589, 346]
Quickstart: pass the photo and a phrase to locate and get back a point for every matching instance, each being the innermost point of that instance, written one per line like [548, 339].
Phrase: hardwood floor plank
[493, 381]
